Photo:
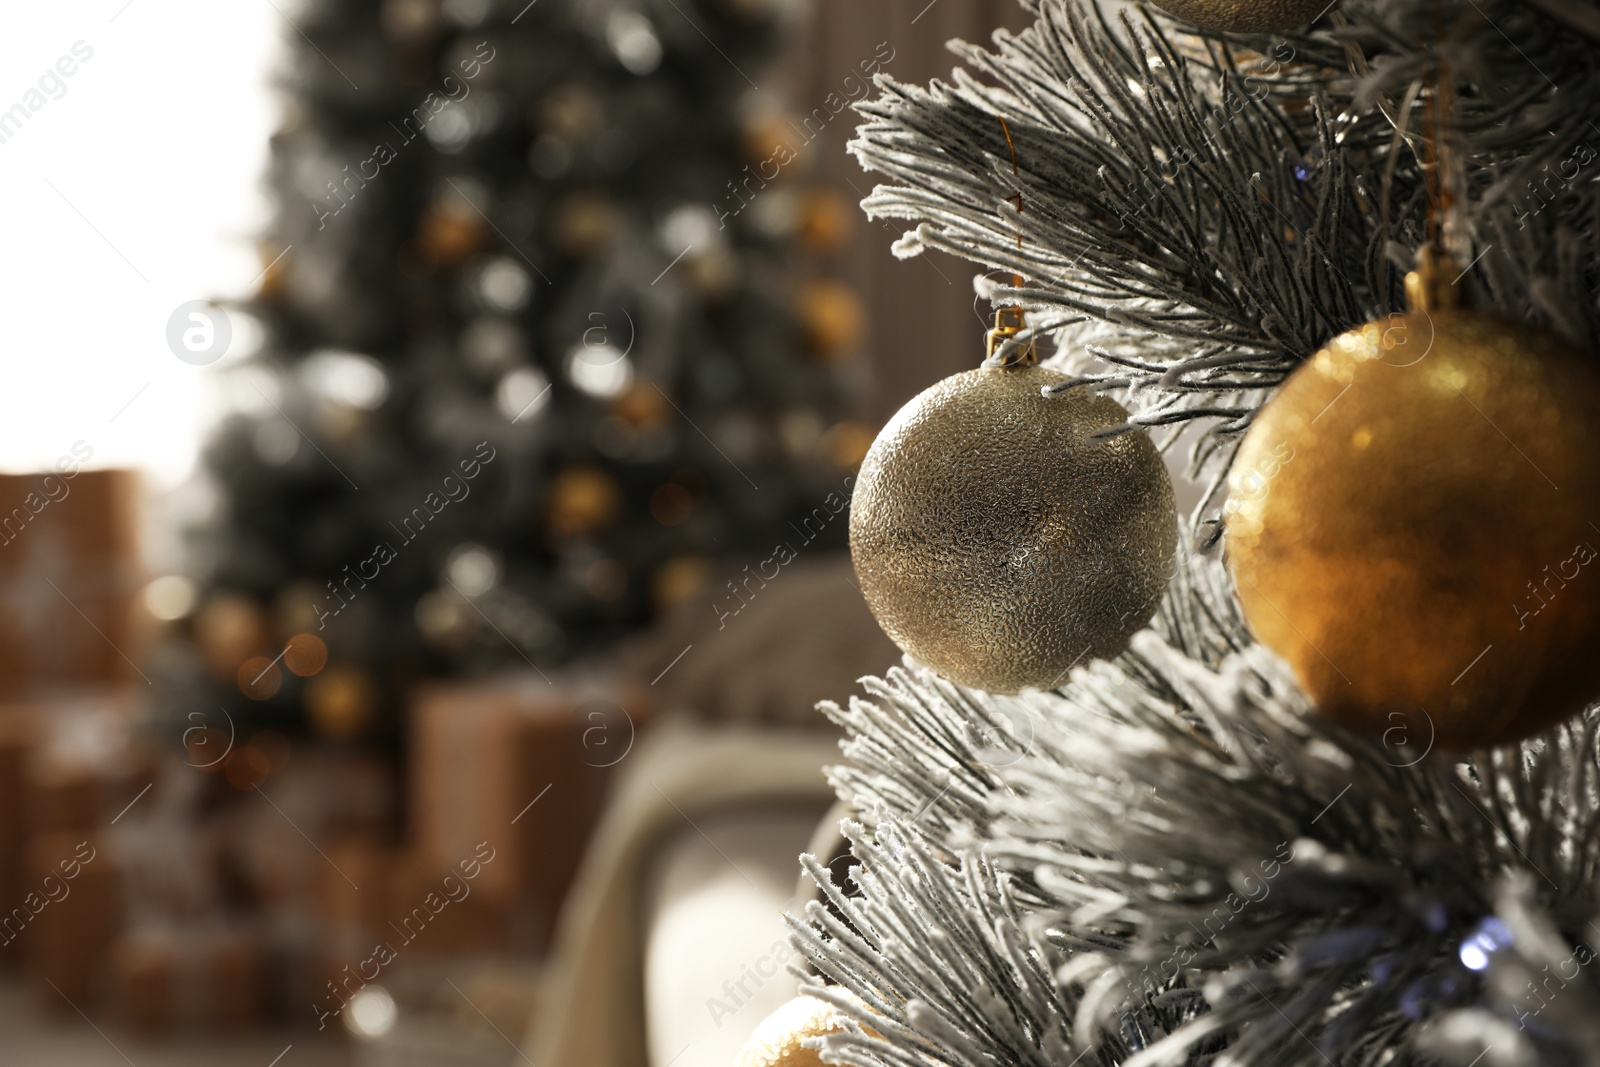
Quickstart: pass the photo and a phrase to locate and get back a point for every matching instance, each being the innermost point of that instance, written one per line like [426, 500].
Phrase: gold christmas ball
[712, 272]
[571, 111]
[999, 542]
[410, 21]
[583, 501]
[585, 223]
[305, 654]
[444, 618]
[832, 319]
[766, 135]
[776, 1041]
[229, 628]
[845, 444]
[827, 221]
[678, 579]
[450, 232]
[259, 678]
[1246, 16]
[643, 406]
[341, 702]
[274, 270]
[1410, 525]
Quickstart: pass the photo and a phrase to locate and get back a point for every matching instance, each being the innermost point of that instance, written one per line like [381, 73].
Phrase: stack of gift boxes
[505, 781]
[143, 885]
[69, 758]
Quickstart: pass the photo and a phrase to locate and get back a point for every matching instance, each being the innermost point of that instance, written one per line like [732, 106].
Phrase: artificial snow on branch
[1216, 869]
[1225, 210]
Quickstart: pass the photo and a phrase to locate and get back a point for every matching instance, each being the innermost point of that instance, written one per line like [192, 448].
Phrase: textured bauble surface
[998, 542]
[1411, 525]
[1246, 16]
[776, 1041]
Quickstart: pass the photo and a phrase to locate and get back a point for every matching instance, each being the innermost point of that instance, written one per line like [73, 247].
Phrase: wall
[922, 325]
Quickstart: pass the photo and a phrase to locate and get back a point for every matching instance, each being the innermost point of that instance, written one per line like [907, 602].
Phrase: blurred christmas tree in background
[548, 329]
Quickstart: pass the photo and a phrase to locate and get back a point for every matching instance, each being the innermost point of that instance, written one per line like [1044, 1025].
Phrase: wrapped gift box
[69, 912]
[400, 898]
[87, 762]
[69, 764]
[163, 979]
[515, 767]
[69, 573]
[16, 739]
[330, 796]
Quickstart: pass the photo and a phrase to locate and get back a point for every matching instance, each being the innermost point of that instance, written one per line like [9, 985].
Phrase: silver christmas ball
[1000, 543]
[1246, 16]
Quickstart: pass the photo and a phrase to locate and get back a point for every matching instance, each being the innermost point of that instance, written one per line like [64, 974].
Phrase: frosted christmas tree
[525, 384]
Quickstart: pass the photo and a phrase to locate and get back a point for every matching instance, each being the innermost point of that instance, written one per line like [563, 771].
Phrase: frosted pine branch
[1226, 210]
[1205, 870]
[1218, 869]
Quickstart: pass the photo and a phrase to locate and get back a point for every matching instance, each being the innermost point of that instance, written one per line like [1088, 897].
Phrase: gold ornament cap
[1008, 323]
[1436, 283]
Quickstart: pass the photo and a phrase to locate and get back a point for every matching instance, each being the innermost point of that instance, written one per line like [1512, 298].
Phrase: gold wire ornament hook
[1010, 321]
[1431, 287]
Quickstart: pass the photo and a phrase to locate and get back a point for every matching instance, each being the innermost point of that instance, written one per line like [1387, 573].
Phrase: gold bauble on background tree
[777, 1040]
[1246, 16]
[1412, 523]
[998, 539]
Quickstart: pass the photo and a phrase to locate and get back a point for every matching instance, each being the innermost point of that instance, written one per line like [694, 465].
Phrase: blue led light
[1490, 936]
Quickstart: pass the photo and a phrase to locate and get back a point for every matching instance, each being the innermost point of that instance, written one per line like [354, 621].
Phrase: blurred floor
[30, 1039]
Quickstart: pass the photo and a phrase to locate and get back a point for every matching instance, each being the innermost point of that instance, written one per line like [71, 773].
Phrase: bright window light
[133, 141]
